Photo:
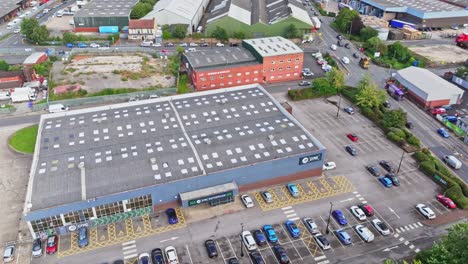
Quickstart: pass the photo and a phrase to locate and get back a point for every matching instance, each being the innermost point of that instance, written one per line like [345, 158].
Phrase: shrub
[428, 167]
[399, 132]
[455, 193]
[420, 156]
[412, 140]
[394, 137]
[426, 151]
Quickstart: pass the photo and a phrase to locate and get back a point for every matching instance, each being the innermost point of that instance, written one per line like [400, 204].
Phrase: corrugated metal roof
[33, 58]
[273, 46]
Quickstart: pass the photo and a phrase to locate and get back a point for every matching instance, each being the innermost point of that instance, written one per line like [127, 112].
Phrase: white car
[248, 202]
[193, 44]
[171, 255]
[425, 211]
[364, 233]
[333, 47]
[157, 45]
[9, 253]
[322, 241]
[219, 44]
[358, 213]
[317, 55]
[329, 165]
[104, 48]
[249, 241]
[345, 60]
[311, 225]
[381, 227]
[307, 74]
[94, 45]
[17, 30]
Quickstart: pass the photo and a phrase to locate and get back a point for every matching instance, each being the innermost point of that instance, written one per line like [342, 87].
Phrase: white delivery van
[452, 162]
[55, 108]
[33, 4]
[5, 96]
[146, 44]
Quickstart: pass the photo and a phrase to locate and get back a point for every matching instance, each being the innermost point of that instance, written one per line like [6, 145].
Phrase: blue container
[108, 29]
[415, 63]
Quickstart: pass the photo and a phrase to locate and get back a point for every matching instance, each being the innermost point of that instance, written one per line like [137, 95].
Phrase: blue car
[292, 188]
[172, 216]
[83, 237]
[343, 236]
[82, 45]
[386, 182]
[259, 237]
[270, 233]
[293, 229]
[340, 218]
[70, 45]
[443, 132]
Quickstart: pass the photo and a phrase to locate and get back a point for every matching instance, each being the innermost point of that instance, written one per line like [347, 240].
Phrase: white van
[55, 108]
[146, 44]
[33, 4]
[191, 49]
[249, 241]
[5, 96]
[452, 162]
[59, 13]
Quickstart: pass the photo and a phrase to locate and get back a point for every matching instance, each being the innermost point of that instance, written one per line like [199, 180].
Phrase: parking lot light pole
[339, 106]
[401, 160]
[242, 248]
[327, 231]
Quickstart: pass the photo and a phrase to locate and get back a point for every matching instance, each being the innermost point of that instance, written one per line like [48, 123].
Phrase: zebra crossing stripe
[419, 223]
[411, 226]
[407, 228]
[398, 230]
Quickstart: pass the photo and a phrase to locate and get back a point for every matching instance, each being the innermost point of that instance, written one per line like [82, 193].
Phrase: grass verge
[24, 140]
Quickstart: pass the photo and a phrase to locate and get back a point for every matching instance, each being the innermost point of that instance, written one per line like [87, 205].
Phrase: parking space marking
[320, 258]
[417, 250]
[411, 246]
[188, 253]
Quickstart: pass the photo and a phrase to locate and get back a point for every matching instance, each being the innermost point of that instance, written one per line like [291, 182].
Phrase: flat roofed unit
[107, 8]
[7, 6]
[220, 58]
[133, 145]
[422, 5]
[273, 46]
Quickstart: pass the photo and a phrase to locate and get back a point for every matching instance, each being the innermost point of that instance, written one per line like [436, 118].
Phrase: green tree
[140, 10]
[390, 261]
[344, 18]
[336, 79]
[368, 95]
[179, 31]
[452, 248]
[180, 50]
[239, 35]
[367, 33]
[291, 31]
[220, 34]
[28, 25]
[69, 37]
[462, 72]
[39, 34]
[4, 66]
[323, 87]
[394, 118]
[399, 52]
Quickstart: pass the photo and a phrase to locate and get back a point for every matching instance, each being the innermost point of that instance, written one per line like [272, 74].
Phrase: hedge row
[456, 189]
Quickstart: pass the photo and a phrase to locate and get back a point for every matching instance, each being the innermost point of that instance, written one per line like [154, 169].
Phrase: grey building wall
[92, 22]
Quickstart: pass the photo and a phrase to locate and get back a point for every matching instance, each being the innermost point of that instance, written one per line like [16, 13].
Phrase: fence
[105, 99]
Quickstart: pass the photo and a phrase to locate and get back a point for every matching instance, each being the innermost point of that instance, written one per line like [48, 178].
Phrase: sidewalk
[447, 218]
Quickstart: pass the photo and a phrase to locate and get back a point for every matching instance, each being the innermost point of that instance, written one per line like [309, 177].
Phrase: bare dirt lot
[97, 72]
[442, 53]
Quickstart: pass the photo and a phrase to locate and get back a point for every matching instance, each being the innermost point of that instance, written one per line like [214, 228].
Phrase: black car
[347, 46]
[280, 254]
[387, 104]
[259, 237]
[118, 262]
[233, 261]
[211, 248]
[169, 45]
[205, 45]
[157, 256]
[373, 170]
[351, 150]
[386, 165]
[234, 45]
[256, 257]
[339, 37]
[393, 178]
[409, 125]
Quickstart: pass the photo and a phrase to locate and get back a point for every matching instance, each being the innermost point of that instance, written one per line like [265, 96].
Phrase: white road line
[131, 256]
[188, 252]
[289, 211]
[130, 251]
[396, 235]
[355, 192]
[358, 195]
[417, 250]
[419, 223]
[364, 202]
[406, 242]
[128, 243]
[286, 208]
[129, 247]
[320, 258]
[407, 228]
[411, 226]
[232, 247]
[360, 198]
[291, 215]
[324, 262]
[401, 238]
[294, 218]
[411, 246]
[222, 255]
[398, 230]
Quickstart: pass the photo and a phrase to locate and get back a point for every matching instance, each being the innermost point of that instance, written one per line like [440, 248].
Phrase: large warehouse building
[262, 60]
[427, 89]
[143, 156]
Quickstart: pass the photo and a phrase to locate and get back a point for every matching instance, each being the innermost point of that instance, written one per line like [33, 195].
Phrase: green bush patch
[24, 140]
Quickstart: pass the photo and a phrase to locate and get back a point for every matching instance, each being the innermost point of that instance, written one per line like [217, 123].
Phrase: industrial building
[186, 12]
[427, 89]
[103, 13]
[143, 156]
[422, 13]
[262, 60]
[9, 9]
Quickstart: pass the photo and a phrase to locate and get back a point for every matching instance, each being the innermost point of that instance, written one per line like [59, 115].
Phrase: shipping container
[400, 24]
[108, 29]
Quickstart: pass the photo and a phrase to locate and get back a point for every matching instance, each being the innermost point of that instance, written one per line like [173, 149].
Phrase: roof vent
[165, 165]
[271, 137]
[166, 115]
[208, 141]
[153, 160]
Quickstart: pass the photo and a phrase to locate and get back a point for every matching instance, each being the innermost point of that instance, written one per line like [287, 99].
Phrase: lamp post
[242, 248]
[401, 160]
[339, 106]
[327, 231]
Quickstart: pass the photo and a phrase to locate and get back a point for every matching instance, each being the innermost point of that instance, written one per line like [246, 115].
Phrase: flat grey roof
[6, 6]
[107, 8]
[423, 5]
[216, 58]
[273, 46]
[138, 144]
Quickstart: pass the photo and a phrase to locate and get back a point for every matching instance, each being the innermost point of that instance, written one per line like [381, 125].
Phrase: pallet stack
[372, 21]
[410, 33]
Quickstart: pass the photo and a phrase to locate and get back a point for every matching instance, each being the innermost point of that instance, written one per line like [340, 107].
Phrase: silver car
[267, 197]
[37, 248]
[9, 253]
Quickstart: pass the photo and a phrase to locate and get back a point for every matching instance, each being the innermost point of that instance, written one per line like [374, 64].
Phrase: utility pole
[327, 231]
[242, 248]
[401, 160]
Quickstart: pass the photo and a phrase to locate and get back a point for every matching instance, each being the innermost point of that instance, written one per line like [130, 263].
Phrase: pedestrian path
[129, 250]
[290, 213]
[408, 227]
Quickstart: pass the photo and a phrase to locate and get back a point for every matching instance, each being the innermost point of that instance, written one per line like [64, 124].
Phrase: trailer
[394, 91]
[316, 22]
[400, 24]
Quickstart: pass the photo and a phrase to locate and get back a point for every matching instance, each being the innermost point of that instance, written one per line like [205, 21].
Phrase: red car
[367, 209]
[52, 244]
[438, 111]
[353, 137]
[447, 202]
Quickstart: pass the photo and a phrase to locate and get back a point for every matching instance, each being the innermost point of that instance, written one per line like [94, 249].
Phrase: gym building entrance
[212, 196]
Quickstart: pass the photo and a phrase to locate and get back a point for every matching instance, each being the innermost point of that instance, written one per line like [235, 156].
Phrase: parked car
[157, 45]
[267, 197]
[193, 44]
[373, 170]
[171, 255]
[172, 216]
[307, 74]
[352, 137]
[409, 125]
[358, 213]
[345, 60]
[447, 202]
[425, 211]
[37, 248]
[270, 233]
[219, 44]
[438, 111]
[351, 150]
[183, 44]
[330, 165]
[248, 202]
[293, 190]
[94, 45]
[441, 131]
[204, 44]
[310, 225]
[249, 241]
[339, 217]
[256, 257]
[367, 209]
[347, 45]
[9, 253]
[169, 44]
[381, 227]
[293, 229]
[304, 83]
[364, 233]
[52, 244]
[333, 47]
[386, 165]
[387, 104]
[144, 258]
[343, 236]
[322, 241]
[70, 45]
[259, 237]
[233, 261]
[82, 45]
[83, 240]
[211, 248]
[280, 254]
[17, 30]
[392, 177]
[349, 110]
[386, 182]
[157, 256]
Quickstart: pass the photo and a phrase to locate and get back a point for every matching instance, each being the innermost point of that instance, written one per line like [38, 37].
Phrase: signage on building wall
[219, 72]
[310, 158]
[210, 198]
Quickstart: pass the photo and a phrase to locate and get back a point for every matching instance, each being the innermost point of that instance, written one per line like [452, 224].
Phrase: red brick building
[263, 60]
[11, 79]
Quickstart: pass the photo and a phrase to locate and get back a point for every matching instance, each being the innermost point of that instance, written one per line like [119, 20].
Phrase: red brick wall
[86, 29]
[227, 77]
[283, 67]
[437, 103]
[428, 104]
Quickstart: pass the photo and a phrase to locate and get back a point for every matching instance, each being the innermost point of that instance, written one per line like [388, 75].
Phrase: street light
[339, 106]
[242, 248]
[401, 160]
[327, 231]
